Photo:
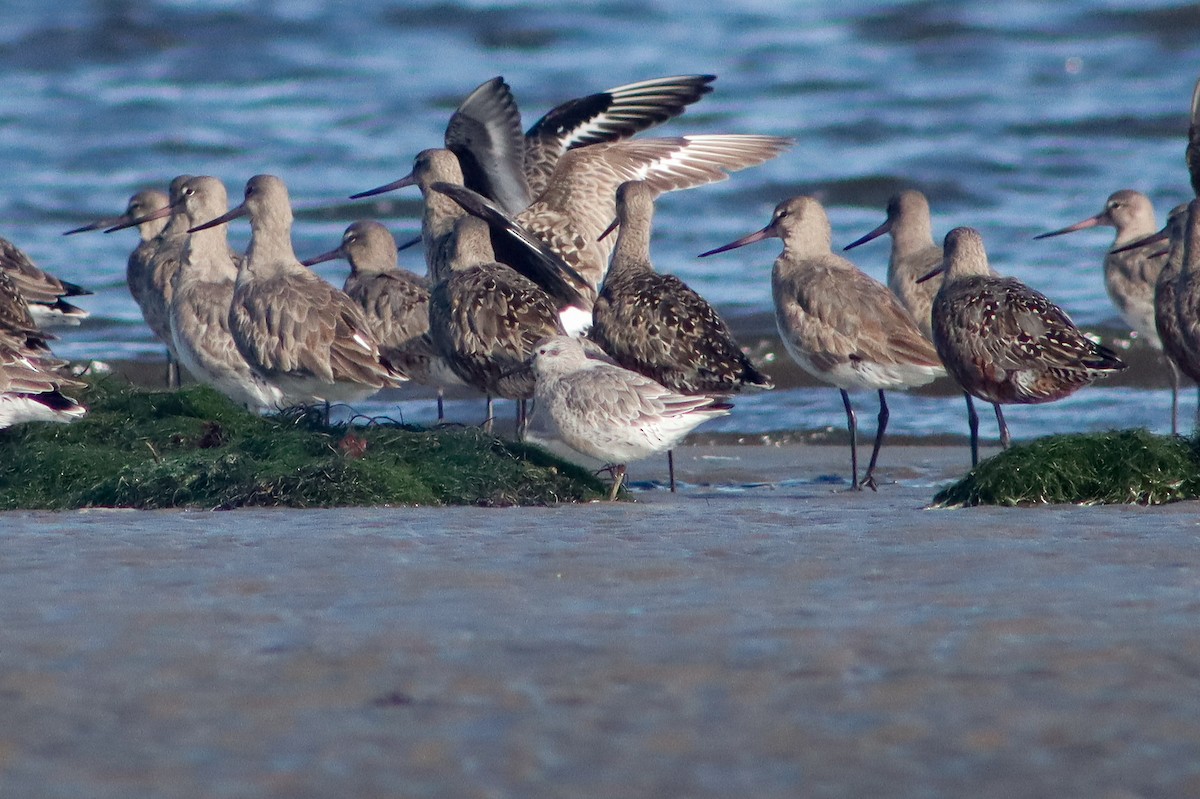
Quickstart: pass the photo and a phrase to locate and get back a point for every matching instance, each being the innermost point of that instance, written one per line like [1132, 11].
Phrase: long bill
[932, 273]
[126, 222]
[323, 257]
[1084, 224]
[99, 224]
[757, 235]
[886, 227]
[407, 180]
[233, 213]
[616, 223]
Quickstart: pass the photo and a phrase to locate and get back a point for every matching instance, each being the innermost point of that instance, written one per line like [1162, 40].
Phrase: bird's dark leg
[671, 468]
[618, 478]
[1174, 396]
[973, 426]
[869, 480]
[1005, 438]
[852, 425]
[441, 404]
[522, 418]
[487, 422]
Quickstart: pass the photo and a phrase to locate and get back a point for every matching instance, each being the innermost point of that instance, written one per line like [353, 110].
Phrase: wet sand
[762, 633]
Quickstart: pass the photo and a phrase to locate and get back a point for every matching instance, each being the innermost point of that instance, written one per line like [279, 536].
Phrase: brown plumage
[30, 383]
[295, 330]
[1166, 306]
[485, 318]
[913, 254]
[839, 324]
[200, 303]
[44, 293]
[1002, 341]
[580, 200]
[656, 325]
[511, 168]
[1193, 145]
[1187, 286]
[141, 212]
[394, 300]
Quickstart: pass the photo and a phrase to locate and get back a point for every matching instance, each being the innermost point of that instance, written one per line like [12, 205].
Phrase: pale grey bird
[593, 412]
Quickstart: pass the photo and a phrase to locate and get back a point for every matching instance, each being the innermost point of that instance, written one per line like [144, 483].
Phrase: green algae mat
[1117, 467]
[193, 448]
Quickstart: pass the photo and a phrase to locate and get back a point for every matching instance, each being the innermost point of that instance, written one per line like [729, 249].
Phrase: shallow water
[1014, 118]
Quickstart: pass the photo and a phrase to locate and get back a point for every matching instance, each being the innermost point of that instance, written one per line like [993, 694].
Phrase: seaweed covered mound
[193, 448]
[1121, 466]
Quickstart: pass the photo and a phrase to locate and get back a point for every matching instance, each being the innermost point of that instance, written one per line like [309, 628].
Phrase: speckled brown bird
[655, 324]
[485, 318]
[30, 381]
[1004, 342]
[43, 292]
[1187, 286]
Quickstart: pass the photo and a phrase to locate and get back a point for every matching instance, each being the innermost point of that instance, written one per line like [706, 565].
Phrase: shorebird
[914, 253]
[138, 212]
[839, 324]
[439, 212]
[155, 275]
[485, 318]
[395, 302]
[29, 392]
[1193, 146]
[1130, 276]
[42, 291]
[592, 411]
[512, 168]
[579, 201]
[1004, 342]
[655, 324]
[1166, 307]
[198, 316]
[527, 254]
[1187, 286]
[30, 385]
[299, 333]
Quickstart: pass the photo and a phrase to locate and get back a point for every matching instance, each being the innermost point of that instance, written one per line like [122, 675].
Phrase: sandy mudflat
[761, 634]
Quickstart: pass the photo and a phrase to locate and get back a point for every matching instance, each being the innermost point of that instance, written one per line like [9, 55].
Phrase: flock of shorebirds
[540, 286]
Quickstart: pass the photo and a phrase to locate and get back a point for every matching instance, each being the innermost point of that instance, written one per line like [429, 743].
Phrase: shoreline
[785, 638]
